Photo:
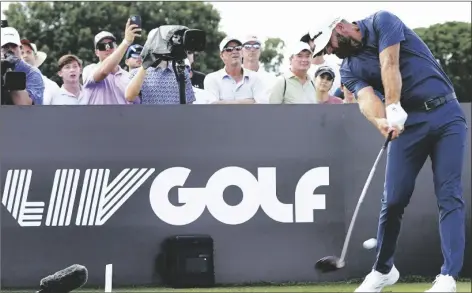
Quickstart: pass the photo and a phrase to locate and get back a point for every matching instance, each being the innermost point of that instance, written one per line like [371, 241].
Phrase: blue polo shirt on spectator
[422, 76]
[34, 81]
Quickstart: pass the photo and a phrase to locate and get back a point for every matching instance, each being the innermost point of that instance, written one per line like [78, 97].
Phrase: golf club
[333, 263]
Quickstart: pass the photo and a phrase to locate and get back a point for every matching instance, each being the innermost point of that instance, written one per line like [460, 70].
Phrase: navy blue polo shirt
[422, 76]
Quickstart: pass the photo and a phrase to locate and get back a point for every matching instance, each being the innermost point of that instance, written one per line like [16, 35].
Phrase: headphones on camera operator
[171, 43]
[10, 80]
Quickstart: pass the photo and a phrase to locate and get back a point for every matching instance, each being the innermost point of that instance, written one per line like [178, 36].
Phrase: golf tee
[108, 277]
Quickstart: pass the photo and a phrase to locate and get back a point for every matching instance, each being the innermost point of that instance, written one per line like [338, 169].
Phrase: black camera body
[172, 42]
[10, 81]
[183, 41]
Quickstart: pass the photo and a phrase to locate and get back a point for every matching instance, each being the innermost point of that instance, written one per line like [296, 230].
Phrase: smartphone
[135, 19]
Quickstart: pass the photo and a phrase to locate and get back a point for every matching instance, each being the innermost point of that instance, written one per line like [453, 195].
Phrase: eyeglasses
[106, 46]
[231, 49]
[249, 46]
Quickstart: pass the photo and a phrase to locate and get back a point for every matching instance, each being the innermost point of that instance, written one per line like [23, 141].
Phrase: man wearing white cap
[252, 48]
[323, 61]
[424, 118]
[233, 84]
[295, 86]
[31, 55]
[105, 83]
[11, 52]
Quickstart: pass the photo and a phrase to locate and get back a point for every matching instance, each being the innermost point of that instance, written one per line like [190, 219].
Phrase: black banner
[274, 186]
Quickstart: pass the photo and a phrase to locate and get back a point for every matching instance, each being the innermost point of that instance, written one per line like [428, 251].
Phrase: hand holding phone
[135, 19]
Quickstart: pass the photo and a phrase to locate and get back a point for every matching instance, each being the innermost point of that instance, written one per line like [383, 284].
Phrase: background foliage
[60, 28]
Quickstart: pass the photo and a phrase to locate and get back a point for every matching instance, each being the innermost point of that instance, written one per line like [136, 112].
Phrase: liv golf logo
[100, 196]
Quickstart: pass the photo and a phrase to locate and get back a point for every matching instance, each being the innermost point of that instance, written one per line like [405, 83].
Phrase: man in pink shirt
[324, 77]
[105, 83]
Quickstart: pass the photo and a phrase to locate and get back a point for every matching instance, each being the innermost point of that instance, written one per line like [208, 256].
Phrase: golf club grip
[361, 199]
[387, 141]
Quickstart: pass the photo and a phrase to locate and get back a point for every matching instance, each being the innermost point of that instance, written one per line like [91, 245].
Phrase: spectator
[202, 96]
[11, 52]
[252, 48]
[323, 61]
[196, 77]
[105, 83]
[348, 96]
[133, 57]
[35, 58]
[295, 86]
[233, 84]
[324, 78]
[320, 61]
[70, 68]
[158, 86]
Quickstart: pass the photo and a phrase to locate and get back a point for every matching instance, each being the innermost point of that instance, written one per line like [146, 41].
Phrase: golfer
[420, 107]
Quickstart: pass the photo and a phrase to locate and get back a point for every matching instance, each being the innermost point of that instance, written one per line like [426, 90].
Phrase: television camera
[171, 43]
[10, 80]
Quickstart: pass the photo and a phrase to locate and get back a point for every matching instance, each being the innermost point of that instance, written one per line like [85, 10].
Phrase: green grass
[338, 287]
[417, 287]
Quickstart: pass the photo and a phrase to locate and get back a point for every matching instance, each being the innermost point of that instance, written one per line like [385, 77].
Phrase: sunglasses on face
[250, 46]
[106, 46]
[231, 49]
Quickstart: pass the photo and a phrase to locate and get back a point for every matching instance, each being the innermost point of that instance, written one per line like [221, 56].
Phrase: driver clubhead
[329, 264]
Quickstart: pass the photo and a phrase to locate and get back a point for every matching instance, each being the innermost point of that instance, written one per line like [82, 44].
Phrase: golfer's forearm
[371, 106]
[392, 82]
[391, 76]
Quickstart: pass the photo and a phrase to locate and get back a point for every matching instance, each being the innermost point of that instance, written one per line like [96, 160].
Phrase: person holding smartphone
[104, 83]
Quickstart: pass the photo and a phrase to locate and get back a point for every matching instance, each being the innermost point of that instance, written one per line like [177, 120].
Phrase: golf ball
[371, 243]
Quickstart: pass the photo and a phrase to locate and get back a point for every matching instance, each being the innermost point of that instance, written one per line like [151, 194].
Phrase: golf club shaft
[361, 198]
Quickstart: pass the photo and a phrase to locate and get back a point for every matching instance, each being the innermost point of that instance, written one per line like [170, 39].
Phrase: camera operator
[11, 55]
[159, 85]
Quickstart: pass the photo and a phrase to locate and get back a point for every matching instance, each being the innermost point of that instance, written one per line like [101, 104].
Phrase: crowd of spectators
[242, 79]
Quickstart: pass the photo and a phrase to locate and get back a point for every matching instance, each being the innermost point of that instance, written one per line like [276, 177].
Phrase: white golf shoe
[443, 283]
[375, 281]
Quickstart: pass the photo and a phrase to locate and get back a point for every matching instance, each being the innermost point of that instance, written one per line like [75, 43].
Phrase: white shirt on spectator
[50, 88]
[203, 96]
[334, 65]
[224, 87]
[64, 97]
[268, 80]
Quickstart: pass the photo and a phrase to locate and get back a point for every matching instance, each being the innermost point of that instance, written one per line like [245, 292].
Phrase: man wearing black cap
[324, 78]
